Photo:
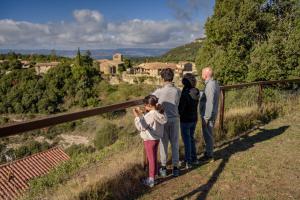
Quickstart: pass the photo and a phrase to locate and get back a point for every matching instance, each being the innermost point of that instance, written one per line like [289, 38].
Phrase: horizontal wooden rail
[16, 128]
[242, 85]
[260, 85]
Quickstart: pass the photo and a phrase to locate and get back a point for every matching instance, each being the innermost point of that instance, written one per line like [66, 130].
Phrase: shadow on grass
[125, 184]
[237, 145]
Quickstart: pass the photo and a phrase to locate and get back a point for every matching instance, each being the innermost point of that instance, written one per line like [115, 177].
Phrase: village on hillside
[111, 70]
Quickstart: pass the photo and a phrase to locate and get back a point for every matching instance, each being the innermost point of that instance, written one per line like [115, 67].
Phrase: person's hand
[136, 112]
[140, 110]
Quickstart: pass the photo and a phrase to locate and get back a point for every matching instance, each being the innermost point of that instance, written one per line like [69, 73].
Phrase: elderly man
[208, 109]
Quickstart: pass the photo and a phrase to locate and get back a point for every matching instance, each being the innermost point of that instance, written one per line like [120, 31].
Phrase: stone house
[42, 68]
[154, 68]
[110, 67]
[187, 67]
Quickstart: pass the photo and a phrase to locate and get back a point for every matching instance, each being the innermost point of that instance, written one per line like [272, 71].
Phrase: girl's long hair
[153, 101]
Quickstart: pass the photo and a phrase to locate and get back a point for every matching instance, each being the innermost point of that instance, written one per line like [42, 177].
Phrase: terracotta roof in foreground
[14, 176]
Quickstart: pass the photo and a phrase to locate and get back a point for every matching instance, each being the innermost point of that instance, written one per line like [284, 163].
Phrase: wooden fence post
[222, 108]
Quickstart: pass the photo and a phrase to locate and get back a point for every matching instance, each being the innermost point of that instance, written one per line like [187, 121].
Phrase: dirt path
[263, 165]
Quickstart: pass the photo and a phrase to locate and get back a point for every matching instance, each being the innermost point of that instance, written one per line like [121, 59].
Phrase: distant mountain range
[96, 53]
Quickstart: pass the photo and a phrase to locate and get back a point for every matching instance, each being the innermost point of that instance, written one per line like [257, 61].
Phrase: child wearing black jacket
[188, 111]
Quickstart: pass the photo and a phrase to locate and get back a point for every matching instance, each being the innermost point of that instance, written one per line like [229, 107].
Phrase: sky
[101, 24]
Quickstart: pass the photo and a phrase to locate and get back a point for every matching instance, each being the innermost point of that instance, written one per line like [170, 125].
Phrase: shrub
[106, 136]
[76, 149]
[31, 148]
[3, 120]
[53, 131]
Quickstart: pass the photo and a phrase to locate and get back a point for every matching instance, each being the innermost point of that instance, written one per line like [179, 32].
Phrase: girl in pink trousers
[151, 127]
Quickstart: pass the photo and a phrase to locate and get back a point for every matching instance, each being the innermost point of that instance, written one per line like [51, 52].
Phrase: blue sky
[97, 24]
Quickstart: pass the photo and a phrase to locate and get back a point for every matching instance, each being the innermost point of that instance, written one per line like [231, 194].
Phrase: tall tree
[87, 60]
[247, 40]
[78, 59]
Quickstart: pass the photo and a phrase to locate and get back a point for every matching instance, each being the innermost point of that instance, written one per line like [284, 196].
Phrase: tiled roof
[14, 176]
[157, 65]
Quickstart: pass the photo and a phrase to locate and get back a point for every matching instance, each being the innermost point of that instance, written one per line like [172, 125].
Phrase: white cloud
[90, 30]
[85, 15]
[144, 31]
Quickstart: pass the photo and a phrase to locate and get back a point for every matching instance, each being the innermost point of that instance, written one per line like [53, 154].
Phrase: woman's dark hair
[167, 74]
[153, 101]
[189, 80]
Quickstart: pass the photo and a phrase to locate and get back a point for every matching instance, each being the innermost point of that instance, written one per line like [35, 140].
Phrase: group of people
[169, 109]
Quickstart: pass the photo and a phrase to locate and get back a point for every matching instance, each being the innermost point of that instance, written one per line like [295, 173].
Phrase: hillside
[187, 52]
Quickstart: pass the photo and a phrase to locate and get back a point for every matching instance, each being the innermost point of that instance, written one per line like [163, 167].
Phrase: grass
[261, 165]
[114, 172]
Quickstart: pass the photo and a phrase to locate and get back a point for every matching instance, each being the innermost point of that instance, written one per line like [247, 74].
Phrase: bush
[53, 131]
[106, 136]
[2, 151]
[31, 148]
[3, 120]
[76, 149]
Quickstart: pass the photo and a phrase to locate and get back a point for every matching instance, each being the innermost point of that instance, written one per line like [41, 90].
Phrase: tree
[127, 63]
[53, 56]
[22, 91]
[252, 40]
[12, 56]
[87, 60]
[15, 64]
[121, 68]
[78, 60]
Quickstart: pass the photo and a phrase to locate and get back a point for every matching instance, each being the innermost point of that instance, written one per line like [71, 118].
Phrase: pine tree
[78, 59]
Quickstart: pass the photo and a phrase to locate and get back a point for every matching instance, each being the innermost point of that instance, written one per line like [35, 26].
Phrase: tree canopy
[252, 40]
[71, 83]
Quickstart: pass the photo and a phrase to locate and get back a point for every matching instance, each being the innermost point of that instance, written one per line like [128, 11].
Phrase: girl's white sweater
[151, 125]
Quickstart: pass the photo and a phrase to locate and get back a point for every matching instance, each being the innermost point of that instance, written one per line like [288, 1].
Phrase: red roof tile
[14, 176]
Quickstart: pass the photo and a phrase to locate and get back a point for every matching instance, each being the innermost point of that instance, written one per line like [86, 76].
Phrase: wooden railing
[22, 127]
[260, 85]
